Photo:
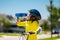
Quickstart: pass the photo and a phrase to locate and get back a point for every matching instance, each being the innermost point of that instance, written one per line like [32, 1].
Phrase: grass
[15, 34]
[45, 32]
[54, 38]
[0, 36]
[9, 34]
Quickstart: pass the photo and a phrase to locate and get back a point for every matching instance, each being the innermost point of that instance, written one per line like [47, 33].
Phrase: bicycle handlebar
[29, 33]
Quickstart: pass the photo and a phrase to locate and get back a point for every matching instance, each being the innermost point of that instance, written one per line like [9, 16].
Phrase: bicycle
[25, 36]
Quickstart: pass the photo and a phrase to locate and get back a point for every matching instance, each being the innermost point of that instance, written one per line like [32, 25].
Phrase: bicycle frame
[24, 37]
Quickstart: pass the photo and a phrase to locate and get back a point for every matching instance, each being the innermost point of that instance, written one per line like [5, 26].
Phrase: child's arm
[19, 23]
[38, 30]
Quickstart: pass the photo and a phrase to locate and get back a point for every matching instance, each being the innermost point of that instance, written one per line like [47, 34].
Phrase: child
[33, 18]
[31, 24]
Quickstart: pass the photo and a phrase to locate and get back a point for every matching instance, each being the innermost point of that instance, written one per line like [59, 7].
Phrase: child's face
[28, 18]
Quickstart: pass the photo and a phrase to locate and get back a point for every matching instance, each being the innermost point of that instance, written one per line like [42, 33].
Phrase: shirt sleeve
[19, 23]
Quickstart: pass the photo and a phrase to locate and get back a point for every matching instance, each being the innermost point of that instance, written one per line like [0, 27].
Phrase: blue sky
[11, 7]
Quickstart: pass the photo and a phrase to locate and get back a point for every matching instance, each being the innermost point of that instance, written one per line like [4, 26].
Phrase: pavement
[42, 36]
[9, 38]
[57, 39]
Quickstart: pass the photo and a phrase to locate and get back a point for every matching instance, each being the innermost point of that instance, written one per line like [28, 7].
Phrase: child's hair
[33, 18]
[35, 15]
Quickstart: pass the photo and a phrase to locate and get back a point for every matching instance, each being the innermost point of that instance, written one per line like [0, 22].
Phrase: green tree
[45, 26]
[53, 18]
[6, 23]
[59, 12]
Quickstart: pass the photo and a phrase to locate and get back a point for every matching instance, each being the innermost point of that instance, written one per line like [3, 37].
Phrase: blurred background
[49, 10]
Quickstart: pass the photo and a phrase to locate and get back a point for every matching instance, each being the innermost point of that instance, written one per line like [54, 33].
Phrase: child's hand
[21, 19]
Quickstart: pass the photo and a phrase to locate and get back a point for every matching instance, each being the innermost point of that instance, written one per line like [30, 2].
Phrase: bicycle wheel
[22, 37]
